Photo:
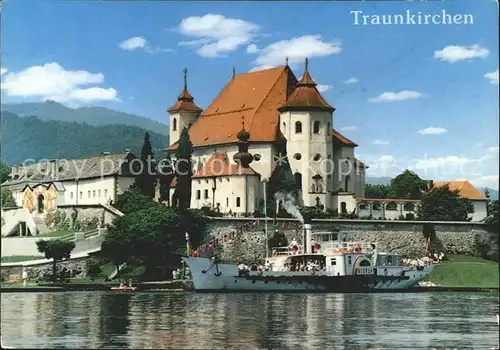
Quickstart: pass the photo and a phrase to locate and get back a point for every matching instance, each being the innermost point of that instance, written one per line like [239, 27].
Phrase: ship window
[349, 261]
[334, 262]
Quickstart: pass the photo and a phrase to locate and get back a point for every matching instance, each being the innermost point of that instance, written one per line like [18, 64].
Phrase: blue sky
[439, 80]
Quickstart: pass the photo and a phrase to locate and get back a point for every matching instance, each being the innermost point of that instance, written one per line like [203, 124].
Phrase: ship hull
[223, 277]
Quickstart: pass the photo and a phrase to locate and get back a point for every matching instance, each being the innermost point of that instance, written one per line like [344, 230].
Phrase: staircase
[40, 224]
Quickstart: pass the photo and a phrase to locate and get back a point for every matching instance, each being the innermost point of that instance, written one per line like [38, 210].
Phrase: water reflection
[248, 321]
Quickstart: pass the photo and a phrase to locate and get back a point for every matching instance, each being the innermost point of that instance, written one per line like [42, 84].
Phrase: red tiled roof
[219, 165]
[185, 102]
[255, 97]
[465, 188]
[342, 139]
[306, 96]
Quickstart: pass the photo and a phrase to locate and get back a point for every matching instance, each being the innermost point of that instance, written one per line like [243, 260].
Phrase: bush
[93, 267]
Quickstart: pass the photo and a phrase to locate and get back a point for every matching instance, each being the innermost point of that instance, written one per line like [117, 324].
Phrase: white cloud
[494, 177]
[217, 34]
[296, 49]
[380, 142]
[493, 77]
[396, 96]
[453, 53]
[349, 128]
[323, 88]
[51, 81]
[3, 71]
[134, 43]
[440, 161]
[352, 81]
[494, 149]
[432, 131]
[138, 42]
[386, 159]
[252, 48]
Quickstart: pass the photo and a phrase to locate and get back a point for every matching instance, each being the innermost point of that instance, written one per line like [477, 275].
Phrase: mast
[265, 220]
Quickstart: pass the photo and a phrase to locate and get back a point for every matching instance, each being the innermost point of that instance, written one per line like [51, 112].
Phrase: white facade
[480, 212]
[180, 120]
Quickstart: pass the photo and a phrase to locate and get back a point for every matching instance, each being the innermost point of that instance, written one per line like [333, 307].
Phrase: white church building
[277, 110]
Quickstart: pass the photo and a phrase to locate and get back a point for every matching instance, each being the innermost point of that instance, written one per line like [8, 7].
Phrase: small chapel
[239, 137]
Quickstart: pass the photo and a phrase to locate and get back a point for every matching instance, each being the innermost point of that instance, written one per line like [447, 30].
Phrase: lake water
[249, 321]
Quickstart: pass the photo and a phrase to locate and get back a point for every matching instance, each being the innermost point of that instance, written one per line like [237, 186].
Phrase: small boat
[123, 289]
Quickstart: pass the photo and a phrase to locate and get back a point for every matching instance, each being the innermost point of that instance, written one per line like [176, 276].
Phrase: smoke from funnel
[287, 201]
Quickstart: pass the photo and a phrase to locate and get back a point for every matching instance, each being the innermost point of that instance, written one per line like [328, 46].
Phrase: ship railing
[346, 247]
[284, 251]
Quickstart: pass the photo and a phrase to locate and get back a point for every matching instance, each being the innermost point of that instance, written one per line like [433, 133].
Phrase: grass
[19, 258]
[466, 271]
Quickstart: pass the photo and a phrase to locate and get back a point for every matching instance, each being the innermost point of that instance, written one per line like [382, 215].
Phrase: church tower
[309, 140]
[183, 113]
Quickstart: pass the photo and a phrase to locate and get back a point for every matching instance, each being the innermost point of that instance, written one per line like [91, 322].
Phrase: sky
[417, 96]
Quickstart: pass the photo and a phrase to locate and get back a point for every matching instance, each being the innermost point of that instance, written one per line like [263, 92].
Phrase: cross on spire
[234, 71]
[286, 61]
[307, 64]
[185, 78]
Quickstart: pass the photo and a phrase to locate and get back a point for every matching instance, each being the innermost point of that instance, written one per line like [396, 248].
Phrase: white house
[41, 187]
[279, 112]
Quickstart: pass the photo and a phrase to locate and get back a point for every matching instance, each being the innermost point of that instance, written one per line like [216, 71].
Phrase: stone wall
[404, 237]
[88, 212]
[78, 266]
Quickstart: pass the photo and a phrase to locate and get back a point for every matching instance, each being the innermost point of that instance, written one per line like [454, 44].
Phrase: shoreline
[187, 286]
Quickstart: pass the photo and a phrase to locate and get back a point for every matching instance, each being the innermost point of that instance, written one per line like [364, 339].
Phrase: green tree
[132, 200]
[167, 173]
[377, 191]
[487, 194]
[443, 204]
[184, 171]
[429, 232]
[7, 199]
[146, 179]
[408, 185]
[57, 250]
[281, 181]
[4, 172]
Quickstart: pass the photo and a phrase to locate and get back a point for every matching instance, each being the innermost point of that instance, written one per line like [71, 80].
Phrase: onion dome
[243, 157]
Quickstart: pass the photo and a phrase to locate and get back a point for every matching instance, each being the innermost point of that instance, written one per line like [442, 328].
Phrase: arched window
[284, 128]
[298, 180]
[174, 124]
[198, 194]
[238, 202]
[316, 127]
[227, 202]
[93, 194]
[347, 179]
[343, 208]
[298, 127]
[329, 129]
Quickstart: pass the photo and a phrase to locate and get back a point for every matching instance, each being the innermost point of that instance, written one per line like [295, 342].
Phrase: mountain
[374, 180]
[32, 138]
[493, 193]
[96, 116]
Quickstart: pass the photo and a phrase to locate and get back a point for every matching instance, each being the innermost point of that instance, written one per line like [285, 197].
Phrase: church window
[206, 194]
[317, 157]
[238, 202]
[298, 127]
[174, 124]
[298, 180]
[316, 127]
[347, 179]
[257, 157]
[297, 156]
[317, 184]
[343, 208]
[198, 194]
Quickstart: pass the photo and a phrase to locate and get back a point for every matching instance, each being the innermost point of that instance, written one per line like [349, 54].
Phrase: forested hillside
[31, 138]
